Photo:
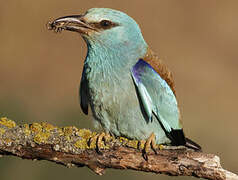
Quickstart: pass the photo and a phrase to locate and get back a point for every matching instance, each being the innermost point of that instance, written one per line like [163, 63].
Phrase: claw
[150, 143]
[92, 141]
[99, 141]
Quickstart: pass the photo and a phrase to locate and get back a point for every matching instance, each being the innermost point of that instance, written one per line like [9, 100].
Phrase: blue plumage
[127, 95]
[156, 96]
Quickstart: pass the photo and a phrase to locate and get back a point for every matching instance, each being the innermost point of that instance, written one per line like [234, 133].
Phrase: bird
[130, 90]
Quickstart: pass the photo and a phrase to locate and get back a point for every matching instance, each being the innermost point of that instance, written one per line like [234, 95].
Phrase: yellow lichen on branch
[45, 133]
[70, 146]
[7, 122]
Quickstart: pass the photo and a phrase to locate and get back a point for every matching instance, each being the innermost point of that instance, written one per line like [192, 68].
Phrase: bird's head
[104, 27]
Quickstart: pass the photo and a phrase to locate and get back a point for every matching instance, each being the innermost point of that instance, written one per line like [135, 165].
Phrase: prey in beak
[74, 23]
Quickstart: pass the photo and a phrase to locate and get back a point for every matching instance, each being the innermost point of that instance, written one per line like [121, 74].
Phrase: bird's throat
[115, 58]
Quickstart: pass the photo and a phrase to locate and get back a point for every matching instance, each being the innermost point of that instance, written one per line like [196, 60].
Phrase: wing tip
[84, 108]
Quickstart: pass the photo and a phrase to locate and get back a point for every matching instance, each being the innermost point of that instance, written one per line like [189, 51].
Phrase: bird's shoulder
[160, 67]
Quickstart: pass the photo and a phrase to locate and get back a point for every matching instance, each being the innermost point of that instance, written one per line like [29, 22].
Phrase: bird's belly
[116, 107]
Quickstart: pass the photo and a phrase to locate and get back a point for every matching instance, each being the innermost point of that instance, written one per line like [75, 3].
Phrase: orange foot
[99, 141]
[150, 144]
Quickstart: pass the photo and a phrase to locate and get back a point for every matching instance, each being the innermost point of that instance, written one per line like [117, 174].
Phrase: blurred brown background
[40, 73]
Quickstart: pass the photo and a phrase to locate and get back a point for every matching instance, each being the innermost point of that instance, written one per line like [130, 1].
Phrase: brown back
[160, 68]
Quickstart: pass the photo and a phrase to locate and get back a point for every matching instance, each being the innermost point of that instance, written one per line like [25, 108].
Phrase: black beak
[74, 23]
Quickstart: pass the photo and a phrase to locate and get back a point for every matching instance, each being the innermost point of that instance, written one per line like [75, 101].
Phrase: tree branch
[69, 146]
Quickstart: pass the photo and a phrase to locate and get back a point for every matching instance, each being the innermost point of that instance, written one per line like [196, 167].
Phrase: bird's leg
[99, 141]
[150, 143]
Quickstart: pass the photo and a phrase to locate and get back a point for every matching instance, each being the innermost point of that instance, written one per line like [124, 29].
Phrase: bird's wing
[161, 68]
[83, 95]
[157, 98]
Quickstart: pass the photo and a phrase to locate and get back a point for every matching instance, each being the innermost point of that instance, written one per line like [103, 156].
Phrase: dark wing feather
[83, 90]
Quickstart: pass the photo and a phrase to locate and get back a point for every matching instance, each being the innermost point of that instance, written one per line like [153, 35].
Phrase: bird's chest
[107, 90]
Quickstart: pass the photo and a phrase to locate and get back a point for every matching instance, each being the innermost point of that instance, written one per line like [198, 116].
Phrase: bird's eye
[105, 23]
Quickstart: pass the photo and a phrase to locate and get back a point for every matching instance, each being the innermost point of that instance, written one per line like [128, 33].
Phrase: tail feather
[191, 144]
[178, 138]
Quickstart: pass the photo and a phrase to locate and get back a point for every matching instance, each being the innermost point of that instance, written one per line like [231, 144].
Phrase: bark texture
[69, 146]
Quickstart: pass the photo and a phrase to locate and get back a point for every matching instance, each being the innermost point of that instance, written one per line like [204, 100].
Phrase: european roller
[130, 90]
